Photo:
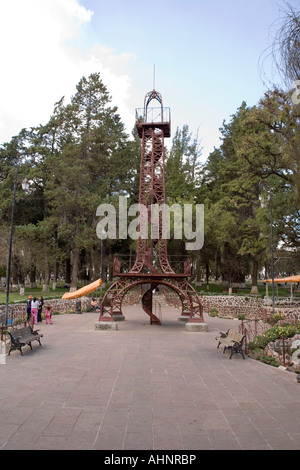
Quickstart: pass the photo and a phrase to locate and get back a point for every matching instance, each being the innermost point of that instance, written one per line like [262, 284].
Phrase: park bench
[22, 336]
[232, 340]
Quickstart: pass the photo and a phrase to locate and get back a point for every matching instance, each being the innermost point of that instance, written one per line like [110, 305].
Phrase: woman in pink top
[34, 309]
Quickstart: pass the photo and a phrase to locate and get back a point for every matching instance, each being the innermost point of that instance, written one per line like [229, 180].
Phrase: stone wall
[231, 306]
[58, 305]
[224, 305]
[252, 307]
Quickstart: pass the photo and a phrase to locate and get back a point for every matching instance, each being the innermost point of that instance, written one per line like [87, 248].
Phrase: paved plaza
[143, 387]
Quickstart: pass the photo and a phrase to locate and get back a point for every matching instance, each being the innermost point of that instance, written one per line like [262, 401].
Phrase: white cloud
[77, 11]
[41, 61]
[119, 84]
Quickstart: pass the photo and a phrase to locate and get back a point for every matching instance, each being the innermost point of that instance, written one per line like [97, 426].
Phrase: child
[48, 314]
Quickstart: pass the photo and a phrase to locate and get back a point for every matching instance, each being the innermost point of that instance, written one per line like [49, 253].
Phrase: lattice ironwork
[151, 266]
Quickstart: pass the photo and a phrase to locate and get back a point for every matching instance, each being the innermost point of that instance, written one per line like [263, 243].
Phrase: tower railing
[152, 115]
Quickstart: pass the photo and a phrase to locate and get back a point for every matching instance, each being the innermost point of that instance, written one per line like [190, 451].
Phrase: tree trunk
[21, 282]
[96, 262]
[75, 264]
[207, 275]
[45, 287]
[68, 271]
[230, 285]
[218, 264]
[54, 276]
[254, 273]
[14, 272]
[33, 277]
[198, 270]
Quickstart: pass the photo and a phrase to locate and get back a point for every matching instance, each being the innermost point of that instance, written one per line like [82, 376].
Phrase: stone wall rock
[231, 306]
[18, 310]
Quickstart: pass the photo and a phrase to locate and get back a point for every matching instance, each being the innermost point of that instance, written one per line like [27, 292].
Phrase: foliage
[241, 316]
[213, 312]
[79, 159]
[271, 335]
[285, 49]
[259, 342]
[270, 360]
[256, 164]
[275, 318]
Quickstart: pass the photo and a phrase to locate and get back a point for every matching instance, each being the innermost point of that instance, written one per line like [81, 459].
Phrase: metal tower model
[151, 267]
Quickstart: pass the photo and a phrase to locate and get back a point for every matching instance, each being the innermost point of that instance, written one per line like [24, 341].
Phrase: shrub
[213, 312]
[272, 361]
[259, 342]
[271, 335]
[275, 318]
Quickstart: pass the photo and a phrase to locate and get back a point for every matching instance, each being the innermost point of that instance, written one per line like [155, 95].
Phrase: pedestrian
[94, 304]
[28, 307]
[34, 308]
[40, 307]
[48, 314]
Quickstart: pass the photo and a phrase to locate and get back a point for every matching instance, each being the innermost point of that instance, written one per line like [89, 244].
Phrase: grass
[214, 289]
[36, 292]
[16, 297]
[222, 290]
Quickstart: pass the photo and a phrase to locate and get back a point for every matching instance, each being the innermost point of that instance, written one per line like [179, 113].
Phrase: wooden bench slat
[233, 340]
[22, 336]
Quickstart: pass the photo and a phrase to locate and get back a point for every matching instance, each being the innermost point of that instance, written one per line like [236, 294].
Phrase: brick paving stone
[143, 387]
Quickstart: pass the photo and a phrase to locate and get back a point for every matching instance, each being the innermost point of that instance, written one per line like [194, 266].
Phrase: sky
[206, 56]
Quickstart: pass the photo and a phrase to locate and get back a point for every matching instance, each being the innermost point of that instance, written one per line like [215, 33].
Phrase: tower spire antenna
[153, 76]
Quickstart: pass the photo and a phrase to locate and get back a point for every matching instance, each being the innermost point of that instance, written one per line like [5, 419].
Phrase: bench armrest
[223, 335]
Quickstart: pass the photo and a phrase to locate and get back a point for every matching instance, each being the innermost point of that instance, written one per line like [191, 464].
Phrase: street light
[25, 184]
[272, 251]
[264, 204]
[25, 187]
[101, 269]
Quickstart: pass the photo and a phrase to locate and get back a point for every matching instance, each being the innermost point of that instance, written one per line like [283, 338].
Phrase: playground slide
[289, 279]
[83, 291]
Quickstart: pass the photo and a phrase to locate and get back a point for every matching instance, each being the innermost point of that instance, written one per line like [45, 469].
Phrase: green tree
[182, 166]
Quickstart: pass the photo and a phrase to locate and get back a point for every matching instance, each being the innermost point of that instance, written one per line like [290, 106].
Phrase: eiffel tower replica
[151, 267]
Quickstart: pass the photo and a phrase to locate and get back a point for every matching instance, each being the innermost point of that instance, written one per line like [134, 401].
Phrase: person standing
[34, 309]
[48, 314]
[40, 307]
[28, 307]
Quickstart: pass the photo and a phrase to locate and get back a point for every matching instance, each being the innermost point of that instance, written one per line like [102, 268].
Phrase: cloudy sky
[206, 56]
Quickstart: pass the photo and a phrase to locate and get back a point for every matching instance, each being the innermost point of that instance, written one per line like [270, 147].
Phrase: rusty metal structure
[151, 267]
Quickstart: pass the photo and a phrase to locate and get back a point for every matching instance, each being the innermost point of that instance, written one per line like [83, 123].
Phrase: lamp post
[25, 186]
[101, 266]
[272, 252]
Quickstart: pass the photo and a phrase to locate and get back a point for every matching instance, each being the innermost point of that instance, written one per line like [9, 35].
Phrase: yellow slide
[83, 291]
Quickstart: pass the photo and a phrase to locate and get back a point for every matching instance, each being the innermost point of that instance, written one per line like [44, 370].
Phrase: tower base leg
[197, 327]
[118, 317]
[106, 325]
[184, 318]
